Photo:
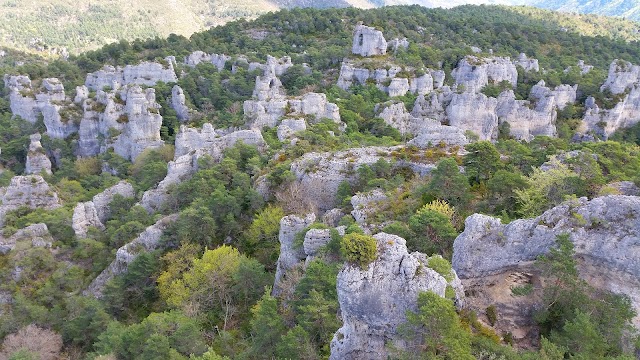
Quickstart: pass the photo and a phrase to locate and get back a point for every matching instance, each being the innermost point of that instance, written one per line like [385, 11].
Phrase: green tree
[447, 183]
[435, 331]
[432, 231]
[481, 161]
[267, 326]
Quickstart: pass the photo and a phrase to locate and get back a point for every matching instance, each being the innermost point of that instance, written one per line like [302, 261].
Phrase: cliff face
[31, 191]
[604, 232]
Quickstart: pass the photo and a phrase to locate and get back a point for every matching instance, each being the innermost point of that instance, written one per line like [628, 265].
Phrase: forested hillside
[58, 27]
[390, 183]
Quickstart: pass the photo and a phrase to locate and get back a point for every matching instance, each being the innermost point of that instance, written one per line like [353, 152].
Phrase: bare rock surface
[290, 255]
[96, 212]
[368, 41]
[37, 234]
[604, 231]
[374, 300]
[37, 160]
[31, 191]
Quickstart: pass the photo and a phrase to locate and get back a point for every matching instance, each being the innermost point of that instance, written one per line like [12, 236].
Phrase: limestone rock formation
[273, 65]
[37, 234]
[397, 44]
[474, 73]
[387, 80]
[374, 300]
[30, 191]
[368, 41]
[604, 232]
[37, 160]
[95, 213]
[525, 122]
[146, 73]
[21, 98]
[197, 57]
[364, 205]
[149, 240]
[179, 104]
[528, 64]
[192, 144]
[622, 76]
[288, 127]
[85, 215]
[290, 255]
[483, 122]
[605, 122]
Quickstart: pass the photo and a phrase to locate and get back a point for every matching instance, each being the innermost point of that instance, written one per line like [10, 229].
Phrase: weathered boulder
[604, 232]
[374, 300]
[179, 104]
[474, 73]
[368, 41]
[387, 80]
[149, 240]
[37, 160]
[96, 212]
[37, 234]
[268, 87]
[31, 191]
[261, 113]
[397, 44]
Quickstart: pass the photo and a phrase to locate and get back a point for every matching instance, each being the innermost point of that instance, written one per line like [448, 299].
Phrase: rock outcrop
[179, 104]
[198, 57]
[37, 160]
[604, 122]
[191, 145]
[21, 98]
[475, 73]
[388, 81]
[374, 300]
[622, 76]
[96, 212]
[290, 255]
[146, 73]
[31, 191]
[526, 121]
[149, 240]
[604, 232]
[364, 205]
[37, 235]
[483, 122]
[528, 64]
[368, 41]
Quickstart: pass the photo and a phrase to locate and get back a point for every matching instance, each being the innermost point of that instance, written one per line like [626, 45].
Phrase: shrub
[359, 249]
[441, 266]
[492, 314]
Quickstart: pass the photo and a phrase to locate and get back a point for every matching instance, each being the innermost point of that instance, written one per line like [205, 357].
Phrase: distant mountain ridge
[64, 26]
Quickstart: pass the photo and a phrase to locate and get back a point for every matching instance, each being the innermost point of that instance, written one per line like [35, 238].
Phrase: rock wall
[197, 57]
[374, 300]
[604, 232]
[622, 76]
[179, 104]
[290, 255]
[148, 241]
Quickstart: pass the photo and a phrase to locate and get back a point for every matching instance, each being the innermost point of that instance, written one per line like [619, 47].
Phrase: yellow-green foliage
[441, 266]
[359, 248]
[439, 206]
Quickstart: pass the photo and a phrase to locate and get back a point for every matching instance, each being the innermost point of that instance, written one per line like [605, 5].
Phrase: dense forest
[206, 292]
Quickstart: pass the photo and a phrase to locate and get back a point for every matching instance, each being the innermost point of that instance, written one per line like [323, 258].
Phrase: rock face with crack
[149, 240]
[368, 41]
[290, 255]
[604, 232]
[475, 73]
[179, 104]
[374, 300]
[146, 73]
